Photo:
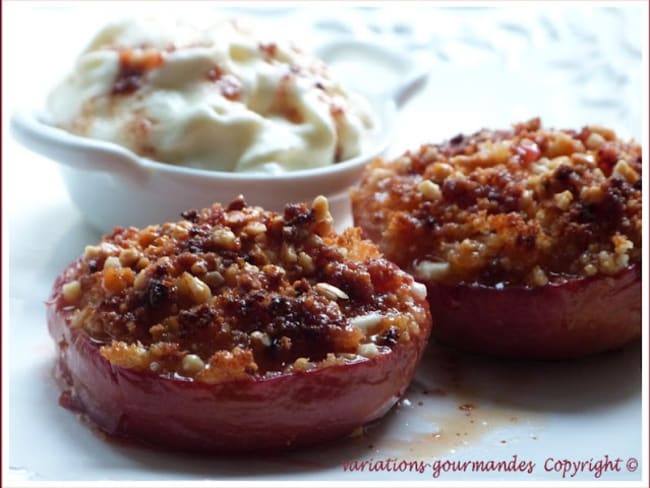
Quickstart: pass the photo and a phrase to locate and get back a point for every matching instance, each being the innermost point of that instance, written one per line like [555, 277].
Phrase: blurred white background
[572, 64]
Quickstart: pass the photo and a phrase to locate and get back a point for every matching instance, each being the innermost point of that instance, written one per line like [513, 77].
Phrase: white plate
[574, 411]
[474, 408]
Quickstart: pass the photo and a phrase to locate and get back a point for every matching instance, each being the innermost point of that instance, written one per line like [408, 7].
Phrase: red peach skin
[286, 411]
[577, 318]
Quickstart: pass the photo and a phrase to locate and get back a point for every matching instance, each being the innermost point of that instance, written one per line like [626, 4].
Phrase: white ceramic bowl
[113, 186]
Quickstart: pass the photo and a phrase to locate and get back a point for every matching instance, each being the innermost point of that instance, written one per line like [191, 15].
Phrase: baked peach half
[236, 330]
[528, 239]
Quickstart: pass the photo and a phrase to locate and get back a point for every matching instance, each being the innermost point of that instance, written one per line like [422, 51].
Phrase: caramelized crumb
[520, 207]
[239, 292]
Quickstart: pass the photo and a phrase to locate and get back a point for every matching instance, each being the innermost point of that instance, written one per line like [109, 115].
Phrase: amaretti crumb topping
[239, 292]
[521, 207]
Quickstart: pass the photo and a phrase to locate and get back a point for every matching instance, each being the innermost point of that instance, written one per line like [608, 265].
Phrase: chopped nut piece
[254, 228]
[181, 230]
[607, 263]
[622, 261]
[199, 268]
[112, 262]
[592, 194]
[225, 239]
[302, 364]
[368, 350]
[214, 279]
[71, 291]
[563, 200]
[561, 144]
[140, 280]
[288, 253]
[608, 134]
[430, 190]
[128, 257]
[91, 252]
[306, 262]
[117, 279]
[380, 174]
[322, 217]
[77, 319]
[193, 288]
[587, 159]
[429, 270]
[594, 141]
[261, 337]
[366, 322]
[625, 171]
[441, 170]
[192, 364]
[330, 291]
[404, 162]
[539, 278]
[621, 244]
[420, 290]
[142, 263]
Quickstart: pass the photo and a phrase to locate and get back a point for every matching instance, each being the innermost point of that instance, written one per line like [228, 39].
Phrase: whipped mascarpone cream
[217, 97]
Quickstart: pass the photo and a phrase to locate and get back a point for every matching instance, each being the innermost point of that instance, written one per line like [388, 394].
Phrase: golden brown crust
[240, 292]
[524, 207]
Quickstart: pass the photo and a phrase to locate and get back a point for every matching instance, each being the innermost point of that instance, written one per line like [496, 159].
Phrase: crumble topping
[526, 206]
[240, 292]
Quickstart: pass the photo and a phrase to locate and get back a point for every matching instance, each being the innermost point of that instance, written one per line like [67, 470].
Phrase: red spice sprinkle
[293, 115]
[134, 63]
[269, 50]
[214, 73]
[231, 87]
[336, 110]
[528, 151]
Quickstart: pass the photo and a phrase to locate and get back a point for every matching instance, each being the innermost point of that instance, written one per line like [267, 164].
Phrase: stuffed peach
[529, 240]
[236, 330]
